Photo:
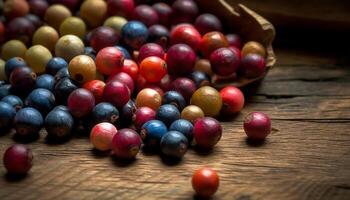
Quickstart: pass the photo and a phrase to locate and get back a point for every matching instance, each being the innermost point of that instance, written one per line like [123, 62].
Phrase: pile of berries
[129, 73]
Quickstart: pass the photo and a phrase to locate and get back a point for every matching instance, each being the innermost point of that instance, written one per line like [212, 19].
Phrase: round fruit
[164, 12]
[7, 113]
[224, 61]
[184, 11]
[103, 37]
[234, 40]
[180, 59]
[18, 159]
[36, 21]
[37, 57]
[46, 36]
[257, 125]
[253, 47]
[168, 114]
[105, 112]
[13, 48]
[28, 122]
[207, 132]
[212, 41]
[93, 12]
[150, 49]
[174, 144]
[123, 78]
[148, 98]
[20, 28]
[135, 34]
[207, 22]
[71, 4]
[183, 126]
[158, 34]
[38, 7]
[45, 81]
[185, 86]
[116, 23]
[73, 26]
[96, 87]
[252, 66]
[232, 99]
[124, 51]
[153, 69]
[22, 79]
[208, 99]
[200, 78]
[58, 124]
[55, 64]
[61, 107]
[109, 60]
[146, 14]
[14, 63]
[5, 90]
[174, 98]
[122, 8]
[127, 113]
[102, 134]
[143, 115]
[41, 99]
[56, 14]
[205, 182]
[152, 132]
[69, 46]
[186, 34]
[14, 101]
[126, 144]
[81, 102]
[63, 88]
[116, 93]
[192, 113]
[15, 8]
[82, 68]
[130, 67]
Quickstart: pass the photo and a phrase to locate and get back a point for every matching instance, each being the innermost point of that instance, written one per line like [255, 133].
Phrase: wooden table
[307, 156]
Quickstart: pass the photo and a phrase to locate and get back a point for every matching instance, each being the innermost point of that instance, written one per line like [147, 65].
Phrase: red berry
[185, 86]
[180, 59]
[103, 37]
[232, 99]
[96, 87]
[102, 134]
[153, 69]
[109, 60]
[164, 12]
[224, 61]
[18, 159]
[207, 132]
[206, 23]
[126, 144]
[123, 8]
[166, 83]
[146, 14]
[143, 115]
[184, 11]
[257, 125]
[212, 41]
[116, 93]
[150, 49]
[252, 66]
[81, 102]
[123, 78]
[130, 67]
[205, 182]
[234, 40]
[186, 34]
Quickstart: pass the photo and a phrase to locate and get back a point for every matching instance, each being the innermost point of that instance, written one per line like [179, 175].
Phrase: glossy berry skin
[135, 34]
[41, 99]
[45, 81]
[14, 101]
[207, 132]
[38, 7]
[252, 66]
[18, 159]
[149, 98]
[232, 99]
[257, 125]
[208, 99]
[152, 132]
[82, 68]
[12, 64]
[58, 124]
[22, 79]
[143, 115]
[180, 59]
[159, 34]
[153, 69]
[103, 37]
[62, 73]
[174, 144]
[20, 28]
[89, 51]
[126, 144]
[200, 78]
[166, 83]
[123, 8]
[185, 34]
[150, 49]
[130, 67]
[205, 182]
[212, 41]
[61, 107]
[124, 51]
[192, 113]
[96, 87]
[102, 134]
[63, 89]
[253, 47]
[185, 86]
[81, 102]
[234, 40]
[184, 11]
[109, 60]
[164, 12]
[123, 78]
[146, 14]
[126, 113]
[5, 90]
[105, 112]
[224, 61]
[174, 98]
[28, 122]
[116, 93]
[168, 114]
[183, 126]
[207, 22]
[7, 113]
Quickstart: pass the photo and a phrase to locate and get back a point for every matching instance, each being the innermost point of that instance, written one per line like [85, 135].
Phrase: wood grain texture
[306, 157]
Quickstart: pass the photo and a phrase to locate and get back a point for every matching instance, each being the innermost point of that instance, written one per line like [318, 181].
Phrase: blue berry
[45, 81]
[12, 64]
[59, 124]
[55, 64]
[28, 121]
[152, 132]
[41, 99]
[174, 144]
[14, 101]
[135, 34]
[183, 126]
[174, 98]
[167, 114]
[5, 90]
[124, 51]
[7, 113]
[105, 112]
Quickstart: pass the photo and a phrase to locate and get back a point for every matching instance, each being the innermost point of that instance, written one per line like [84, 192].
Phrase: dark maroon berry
[18, 159]
[81, 102]
[224, 61]
[207, 23]
[180, 59]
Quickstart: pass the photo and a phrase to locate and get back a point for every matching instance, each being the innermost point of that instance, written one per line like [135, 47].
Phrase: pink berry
[257, 125]
[116, 93]
[252, 66]
[232, 99]
[143, 115]
[126, 144]
[101, 135]
[18, 159]
[123, 78]
[207, 132]
[150, 49]
[224, 61]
